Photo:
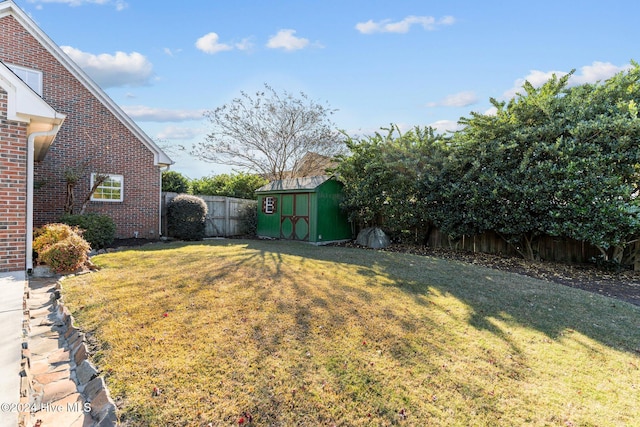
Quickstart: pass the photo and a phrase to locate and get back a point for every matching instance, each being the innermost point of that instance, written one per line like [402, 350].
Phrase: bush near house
[61, 247]
[50, 234]
[186, 217]
[97, 229]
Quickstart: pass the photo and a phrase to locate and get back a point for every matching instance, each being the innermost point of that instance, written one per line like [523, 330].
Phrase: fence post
[227, 219]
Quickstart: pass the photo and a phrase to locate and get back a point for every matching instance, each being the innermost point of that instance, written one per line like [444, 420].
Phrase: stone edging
[94, 396]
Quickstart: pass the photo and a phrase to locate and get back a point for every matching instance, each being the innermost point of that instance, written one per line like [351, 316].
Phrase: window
[110, 190]
[33, 78]
[269, 205]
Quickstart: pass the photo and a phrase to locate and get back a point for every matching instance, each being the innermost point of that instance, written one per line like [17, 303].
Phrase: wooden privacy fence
[223, 217]
[548, 248]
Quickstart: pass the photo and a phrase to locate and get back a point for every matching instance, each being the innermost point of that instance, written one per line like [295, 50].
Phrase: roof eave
[8, 7]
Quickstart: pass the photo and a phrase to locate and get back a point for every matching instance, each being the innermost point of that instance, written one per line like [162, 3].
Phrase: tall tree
[269, 133]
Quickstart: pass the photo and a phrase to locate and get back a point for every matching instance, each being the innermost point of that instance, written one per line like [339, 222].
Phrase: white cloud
[492, 111]
[179, 133]
[429, 23]
[149, 114]
[461, 99]
[285, 39]
[443, 126]
[171, 52]
[244, 44]
[209, 44]
[597, 71]
[120, 69]
[119, 4]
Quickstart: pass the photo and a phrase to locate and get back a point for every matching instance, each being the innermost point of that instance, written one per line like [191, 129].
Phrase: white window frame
[33, 78]
[105, 189]
[269, 205]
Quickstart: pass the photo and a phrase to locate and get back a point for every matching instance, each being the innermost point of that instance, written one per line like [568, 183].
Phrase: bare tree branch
[269, 133]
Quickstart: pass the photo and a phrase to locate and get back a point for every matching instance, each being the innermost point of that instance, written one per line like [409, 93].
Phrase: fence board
[223, 217]
[548, 248]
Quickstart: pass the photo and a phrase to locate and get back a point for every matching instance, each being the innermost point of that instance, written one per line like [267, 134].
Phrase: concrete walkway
[46, 379]
[64, 387]
[12, 287]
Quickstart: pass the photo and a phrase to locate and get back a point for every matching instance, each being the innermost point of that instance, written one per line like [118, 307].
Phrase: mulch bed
[623, 285]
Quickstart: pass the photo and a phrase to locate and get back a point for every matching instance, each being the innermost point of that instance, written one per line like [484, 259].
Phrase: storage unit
[306, 209]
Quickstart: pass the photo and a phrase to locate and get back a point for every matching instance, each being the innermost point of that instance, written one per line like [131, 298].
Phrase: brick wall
[13, 188]
[90, 132]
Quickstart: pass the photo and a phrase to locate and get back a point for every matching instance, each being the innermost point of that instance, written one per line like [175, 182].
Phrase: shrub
[249, 220]
[99, 230]
[51, 234]
[186, 216]
[61, 247]
[67, 255]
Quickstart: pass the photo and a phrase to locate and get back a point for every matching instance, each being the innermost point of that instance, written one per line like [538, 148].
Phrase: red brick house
[53, 116]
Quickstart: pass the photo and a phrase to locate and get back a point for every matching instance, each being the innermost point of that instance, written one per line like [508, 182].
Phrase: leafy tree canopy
[383, 176]
[555, 160]
[240, 184]
[174, 182]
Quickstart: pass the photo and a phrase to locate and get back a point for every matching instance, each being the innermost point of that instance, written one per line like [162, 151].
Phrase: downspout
[30, 168]
[162, 169]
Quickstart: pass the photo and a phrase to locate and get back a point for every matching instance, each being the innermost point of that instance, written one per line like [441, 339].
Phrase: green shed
[306, 209]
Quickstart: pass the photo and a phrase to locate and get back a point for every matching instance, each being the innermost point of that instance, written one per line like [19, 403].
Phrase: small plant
[61, 247]
[186, 217]
[98, 230]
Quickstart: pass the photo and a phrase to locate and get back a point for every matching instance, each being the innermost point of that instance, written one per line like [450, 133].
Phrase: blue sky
[408, 62]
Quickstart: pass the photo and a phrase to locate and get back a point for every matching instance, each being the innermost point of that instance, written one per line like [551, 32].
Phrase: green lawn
[299, 335]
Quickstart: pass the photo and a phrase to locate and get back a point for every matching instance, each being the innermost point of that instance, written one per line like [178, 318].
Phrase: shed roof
[294, 184]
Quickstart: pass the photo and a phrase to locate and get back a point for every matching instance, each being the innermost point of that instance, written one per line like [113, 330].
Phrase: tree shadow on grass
[491, 294]
[397, 308]
[547, 307]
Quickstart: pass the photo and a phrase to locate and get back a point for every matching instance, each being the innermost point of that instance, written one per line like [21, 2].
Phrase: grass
[295, 334]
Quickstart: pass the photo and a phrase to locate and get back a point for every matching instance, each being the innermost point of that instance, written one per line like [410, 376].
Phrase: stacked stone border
[95, 400]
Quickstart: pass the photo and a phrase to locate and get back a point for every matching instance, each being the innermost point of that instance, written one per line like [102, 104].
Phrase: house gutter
[30, 180]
